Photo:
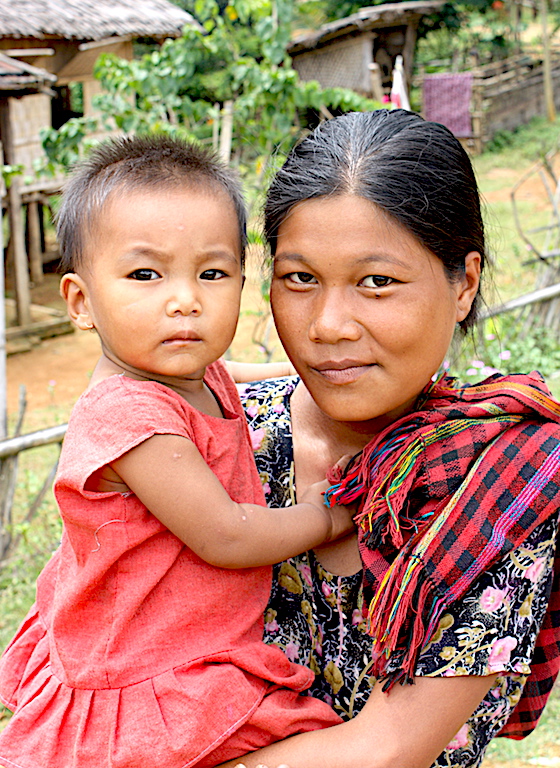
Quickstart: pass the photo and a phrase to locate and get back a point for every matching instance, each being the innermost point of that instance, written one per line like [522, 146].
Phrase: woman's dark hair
[119, 166]
[414, 170]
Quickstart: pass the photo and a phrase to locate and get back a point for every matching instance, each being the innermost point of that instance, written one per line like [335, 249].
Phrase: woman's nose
[184, 301]
[332, 321]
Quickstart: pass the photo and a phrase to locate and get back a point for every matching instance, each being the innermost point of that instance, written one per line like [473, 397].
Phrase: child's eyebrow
[144, 251]
[148, 251]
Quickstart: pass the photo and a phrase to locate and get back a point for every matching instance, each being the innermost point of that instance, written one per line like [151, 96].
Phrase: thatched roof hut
[19, 79]
[65, 38]
[90, 19]
[346, 51]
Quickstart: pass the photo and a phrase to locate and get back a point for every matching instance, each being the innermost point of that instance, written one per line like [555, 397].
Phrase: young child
[145, 645]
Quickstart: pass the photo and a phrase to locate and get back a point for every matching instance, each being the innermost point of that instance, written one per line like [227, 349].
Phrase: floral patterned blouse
[316, 616]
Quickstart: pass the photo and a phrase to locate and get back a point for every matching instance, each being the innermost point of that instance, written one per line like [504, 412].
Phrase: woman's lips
[341, 371]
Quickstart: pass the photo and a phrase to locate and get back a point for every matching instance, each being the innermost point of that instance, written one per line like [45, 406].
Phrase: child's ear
[74, 292]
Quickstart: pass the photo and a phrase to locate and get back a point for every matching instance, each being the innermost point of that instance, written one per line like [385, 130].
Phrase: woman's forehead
[342, 222]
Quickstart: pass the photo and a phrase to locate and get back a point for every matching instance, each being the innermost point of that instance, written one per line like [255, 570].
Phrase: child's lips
[186, 337]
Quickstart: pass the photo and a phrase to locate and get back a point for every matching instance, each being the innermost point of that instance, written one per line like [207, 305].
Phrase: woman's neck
[342, 437]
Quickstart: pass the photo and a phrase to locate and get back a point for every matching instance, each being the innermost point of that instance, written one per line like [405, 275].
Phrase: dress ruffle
[170, 719]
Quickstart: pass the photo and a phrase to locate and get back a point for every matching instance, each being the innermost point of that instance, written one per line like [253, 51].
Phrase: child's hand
[342, 521]
[341, 518]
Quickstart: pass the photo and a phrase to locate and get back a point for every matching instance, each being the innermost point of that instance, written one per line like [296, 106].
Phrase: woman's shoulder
[268, 391]
[267, 410]
[267, 404]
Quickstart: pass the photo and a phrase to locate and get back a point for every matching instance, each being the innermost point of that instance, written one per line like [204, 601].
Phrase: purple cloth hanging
[447, 100]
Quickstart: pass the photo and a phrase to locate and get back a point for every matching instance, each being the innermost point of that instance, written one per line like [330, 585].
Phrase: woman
[377, 239]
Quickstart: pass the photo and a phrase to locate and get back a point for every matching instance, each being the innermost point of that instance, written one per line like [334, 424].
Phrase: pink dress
[138, 653]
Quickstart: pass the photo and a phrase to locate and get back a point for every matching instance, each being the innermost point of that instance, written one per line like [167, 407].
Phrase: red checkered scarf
[443, 494]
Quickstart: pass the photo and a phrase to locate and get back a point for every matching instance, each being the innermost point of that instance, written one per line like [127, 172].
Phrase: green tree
[240, 58]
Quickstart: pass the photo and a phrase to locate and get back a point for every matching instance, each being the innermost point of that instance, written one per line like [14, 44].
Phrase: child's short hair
[128, 164]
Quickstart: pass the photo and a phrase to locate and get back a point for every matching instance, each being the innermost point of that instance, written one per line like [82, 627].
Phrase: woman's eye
[144, 274]
[376, 281]
[212, 274]
[301, 278]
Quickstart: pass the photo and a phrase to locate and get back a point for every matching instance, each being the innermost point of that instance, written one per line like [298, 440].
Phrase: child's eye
[300, 278]
[213, 274]
[144, 274]
[376, 281]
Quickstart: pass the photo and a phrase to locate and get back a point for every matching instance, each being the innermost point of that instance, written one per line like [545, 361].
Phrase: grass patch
[38, 539]
[525, 145]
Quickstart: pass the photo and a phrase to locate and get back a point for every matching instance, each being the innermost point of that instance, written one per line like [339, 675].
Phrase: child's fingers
[260, 765]
[342, 462]
[334, 475]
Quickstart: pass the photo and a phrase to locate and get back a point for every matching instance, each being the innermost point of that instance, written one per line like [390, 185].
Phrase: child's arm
[245, 372]
[171, 478]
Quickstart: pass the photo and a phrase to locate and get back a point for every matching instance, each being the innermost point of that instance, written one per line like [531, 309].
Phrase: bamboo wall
[507, 94]
[29, 114]
[344, 64]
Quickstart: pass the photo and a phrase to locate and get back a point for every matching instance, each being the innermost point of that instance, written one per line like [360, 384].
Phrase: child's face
[162, 280]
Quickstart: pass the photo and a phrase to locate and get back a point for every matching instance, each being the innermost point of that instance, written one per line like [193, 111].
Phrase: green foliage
[66, 146]
[459, 29]
[10, 171]
[181, 87]
[505, 347]
[39, 538]
[531, 141]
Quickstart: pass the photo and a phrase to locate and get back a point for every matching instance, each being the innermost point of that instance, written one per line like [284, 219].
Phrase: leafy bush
[501, 347]
[531, 141]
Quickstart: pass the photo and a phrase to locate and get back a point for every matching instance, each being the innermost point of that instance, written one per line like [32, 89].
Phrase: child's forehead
[206, 215]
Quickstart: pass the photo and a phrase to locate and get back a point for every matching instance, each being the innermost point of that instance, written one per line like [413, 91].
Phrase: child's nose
[184, 302]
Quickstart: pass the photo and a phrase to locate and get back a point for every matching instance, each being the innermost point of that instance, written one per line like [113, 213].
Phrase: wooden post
[17, 236]
[21, 270]
[375, 80]
[226, 131]
[3, 380]
[34, 236]
[216, 128]
[547, 71]
[408, 50]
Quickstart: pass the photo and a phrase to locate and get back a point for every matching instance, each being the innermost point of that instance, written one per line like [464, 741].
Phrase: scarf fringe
[406, 607]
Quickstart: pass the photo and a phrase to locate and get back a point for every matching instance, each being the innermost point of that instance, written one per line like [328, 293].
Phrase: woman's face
[364, 311]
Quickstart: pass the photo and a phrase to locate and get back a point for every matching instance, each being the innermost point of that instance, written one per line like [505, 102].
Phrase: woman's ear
[74, 291]
[467, 287]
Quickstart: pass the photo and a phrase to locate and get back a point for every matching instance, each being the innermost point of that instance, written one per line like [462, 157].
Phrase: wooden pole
[21, 270]
[17, 235]
[3, 378]
[34, 237]
[226, 131]
[547, 73]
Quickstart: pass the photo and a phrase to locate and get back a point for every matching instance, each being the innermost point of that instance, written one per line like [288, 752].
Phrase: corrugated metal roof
[91, 19]
[17, 77]
[387, 14]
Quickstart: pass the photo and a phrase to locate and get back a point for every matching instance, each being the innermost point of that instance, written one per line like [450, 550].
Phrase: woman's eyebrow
[289, 257]
[383, 258]
[386, 258]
